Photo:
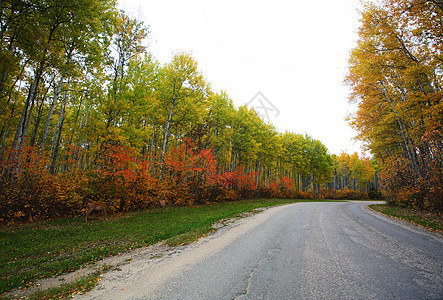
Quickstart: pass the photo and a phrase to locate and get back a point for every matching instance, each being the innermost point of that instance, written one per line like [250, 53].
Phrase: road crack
[270, 255]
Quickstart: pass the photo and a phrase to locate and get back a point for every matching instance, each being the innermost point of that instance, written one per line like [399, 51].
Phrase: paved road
[299, 251]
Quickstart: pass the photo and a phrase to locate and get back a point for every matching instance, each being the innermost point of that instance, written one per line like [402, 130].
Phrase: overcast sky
[293, 52]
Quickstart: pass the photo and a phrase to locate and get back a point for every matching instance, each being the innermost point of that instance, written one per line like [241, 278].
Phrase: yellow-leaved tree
[395, 73]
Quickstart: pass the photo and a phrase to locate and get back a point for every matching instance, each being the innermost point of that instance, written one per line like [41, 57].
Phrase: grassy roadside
[426, 220]
[32, 251]
[83, 284]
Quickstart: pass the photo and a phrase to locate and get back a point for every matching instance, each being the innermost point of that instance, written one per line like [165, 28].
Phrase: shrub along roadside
[190, 176]
[427, 220]
[43, 249]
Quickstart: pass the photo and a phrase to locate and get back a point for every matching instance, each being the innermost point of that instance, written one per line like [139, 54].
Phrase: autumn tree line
[88, 114]
[395, 73]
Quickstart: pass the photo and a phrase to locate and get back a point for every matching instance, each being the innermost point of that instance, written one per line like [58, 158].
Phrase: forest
[395, 73]
[87, 113]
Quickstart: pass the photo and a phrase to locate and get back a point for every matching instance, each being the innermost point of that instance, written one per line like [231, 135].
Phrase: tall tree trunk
[69, 53]
[58, 134]
[33, 89]
[76, 119]
[51, 111]
[28, 121]
[21, 124]
[166, 138]
[257, 169]
[37, 123]
[39, 113]
[79, 141]
[231, 165]
[152, 140]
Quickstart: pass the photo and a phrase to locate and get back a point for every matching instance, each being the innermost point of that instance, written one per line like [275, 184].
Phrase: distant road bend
[298, 251]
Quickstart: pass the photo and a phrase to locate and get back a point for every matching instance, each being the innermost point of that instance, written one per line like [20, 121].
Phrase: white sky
[293, 52]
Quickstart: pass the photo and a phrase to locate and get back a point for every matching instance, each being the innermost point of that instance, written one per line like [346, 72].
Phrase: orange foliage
[345, 194]
[28, 191]
[282, 188]
[404, 188]
[190, 176]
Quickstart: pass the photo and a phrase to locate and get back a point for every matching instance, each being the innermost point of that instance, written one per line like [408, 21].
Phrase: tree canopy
[395, 73]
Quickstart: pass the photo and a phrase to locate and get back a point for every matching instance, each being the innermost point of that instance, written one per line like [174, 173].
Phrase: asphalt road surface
[298, 251]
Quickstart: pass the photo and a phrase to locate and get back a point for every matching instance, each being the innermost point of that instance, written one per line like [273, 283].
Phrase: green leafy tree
[183, 96]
